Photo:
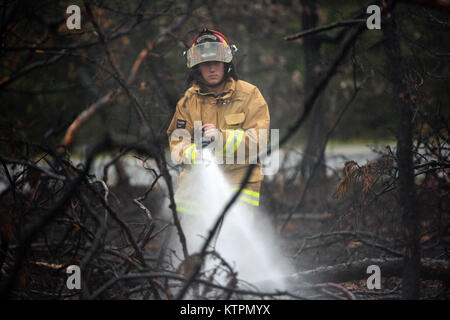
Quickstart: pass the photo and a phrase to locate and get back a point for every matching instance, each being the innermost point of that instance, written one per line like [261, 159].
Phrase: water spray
[245, 239]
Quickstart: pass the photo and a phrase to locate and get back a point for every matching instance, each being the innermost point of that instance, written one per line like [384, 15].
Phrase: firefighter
[227, 107]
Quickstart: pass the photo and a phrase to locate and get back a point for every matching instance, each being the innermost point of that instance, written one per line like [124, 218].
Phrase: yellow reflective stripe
[249, 196]
[193, 155]
[181, 209]
[219, 153]
[229, 140]
[234, 139]
[252, 202]
[190, 153]
[248, 191]
[239, 139]
[185, 206]
[191, 203]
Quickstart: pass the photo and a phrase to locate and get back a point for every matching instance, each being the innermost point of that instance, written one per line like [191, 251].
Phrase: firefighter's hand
[209, 130]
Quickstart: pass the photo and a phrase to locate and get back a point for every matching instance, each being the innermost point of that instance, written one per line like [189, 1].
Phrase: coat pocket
[234, 120]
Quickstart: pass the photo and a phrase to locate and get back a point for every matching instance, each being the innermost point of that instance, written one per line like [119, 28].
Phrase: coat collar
[228, 90]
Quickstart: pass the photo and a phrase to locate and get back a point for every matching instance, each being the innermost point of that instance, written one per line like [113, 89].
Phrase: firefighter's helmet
[209, 45]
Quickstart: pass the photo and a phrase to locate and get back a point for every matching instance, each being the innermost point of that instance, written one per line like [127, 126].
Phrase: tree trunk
[316, 126]
[406, 186]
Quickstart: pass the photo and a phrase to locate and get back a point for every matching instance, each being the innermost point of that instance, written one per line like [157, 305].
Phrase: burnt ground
[324, 232]
[328, 239]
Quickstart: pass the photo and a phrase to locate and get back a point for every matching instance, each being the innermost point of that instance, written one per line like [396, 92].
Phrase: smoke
[246, 240]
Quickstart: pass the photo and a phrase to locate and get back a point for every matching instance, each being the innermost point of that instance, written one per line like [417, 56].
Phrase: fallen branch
[431, 269]
[323, 286]
[359, 235]
[174, 276]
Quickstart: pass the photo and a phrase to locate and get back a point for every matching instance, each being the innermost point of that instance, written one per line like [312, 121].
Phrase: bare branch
[324, 28]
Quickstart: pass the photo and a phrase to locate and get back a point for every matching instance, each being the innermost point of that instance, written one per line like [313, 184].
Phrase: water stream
[246, 240]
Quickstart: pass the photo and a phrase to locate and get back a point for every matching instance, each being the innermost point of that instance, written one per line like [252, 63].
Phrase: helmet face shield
[208, 51]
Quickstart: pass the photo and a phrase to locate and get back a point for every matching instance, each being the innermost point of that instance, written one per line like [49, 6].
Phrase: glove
[205, 142]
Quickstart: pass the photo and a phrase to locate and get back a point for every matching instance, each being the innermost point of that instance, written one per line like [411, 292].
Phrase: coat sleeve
[180, 133]
[257, 122]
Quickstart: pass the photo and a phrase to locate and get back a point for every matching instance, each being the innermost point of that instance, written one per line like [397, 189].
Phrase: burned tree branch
[102, 102]
[36, 65]
[127, 230]
[28, 236]
[34, 166]
[324, 28]
[299, 205]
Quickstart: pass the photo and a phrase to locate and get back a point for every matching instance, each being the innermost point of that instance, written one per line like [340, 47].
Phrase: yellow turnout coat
[239, 108]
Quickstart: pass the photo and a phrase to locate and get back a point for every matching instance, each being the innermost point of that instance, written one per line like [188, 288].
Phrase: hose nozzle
[205, 141]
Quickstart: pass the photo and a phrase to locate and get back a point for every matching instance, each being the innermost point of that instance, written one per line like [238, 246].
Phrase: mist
[246, 239]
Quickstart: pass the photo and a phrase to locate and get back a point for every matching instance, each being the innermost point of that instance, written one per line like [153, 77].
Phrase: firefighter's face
[212, 72]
